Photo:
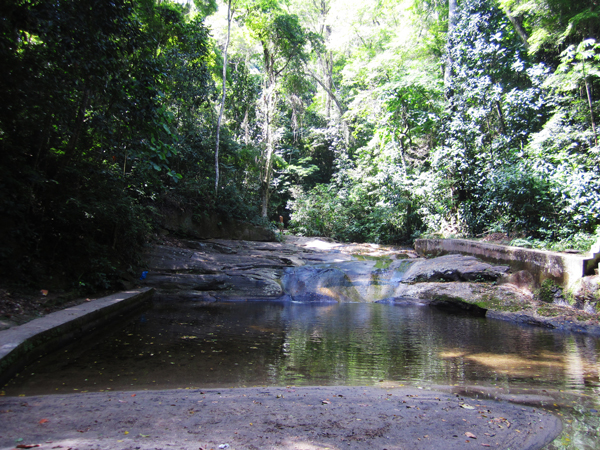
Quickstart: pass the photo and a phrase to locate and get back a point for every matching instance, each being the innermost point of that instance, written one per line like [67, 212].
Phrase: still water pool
[185, 344]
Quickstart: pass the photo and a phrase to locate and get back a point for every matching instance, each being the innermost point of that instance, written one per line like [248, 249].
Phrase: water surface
[187, 344]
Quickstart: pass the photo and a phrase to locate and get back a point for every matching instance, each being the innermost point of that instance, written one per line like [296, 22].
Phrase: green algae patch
[381, 262]
[502, 305]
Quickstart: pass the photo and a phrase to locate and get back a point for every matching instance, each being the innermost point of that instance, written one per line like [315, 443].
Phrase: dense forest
[361, 120]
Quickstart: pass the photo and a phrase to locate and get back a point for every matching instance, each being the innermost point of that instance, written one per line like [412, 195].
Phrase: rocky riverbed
[317, 269]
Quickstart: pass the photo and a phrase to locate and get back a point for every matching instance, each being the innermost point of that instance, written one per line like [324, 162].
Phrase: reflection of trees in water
[255, 343]
[366, 343]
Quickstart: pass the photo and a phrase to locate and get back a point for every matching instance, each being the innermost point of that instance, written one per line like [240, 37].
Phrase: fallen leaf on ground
[28, 445]
[470, 435]
[44, 421]
[464, 405]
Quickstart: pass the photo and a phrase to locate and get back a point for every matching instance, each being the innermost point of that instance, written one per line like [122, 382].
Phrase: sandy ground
[307, 418]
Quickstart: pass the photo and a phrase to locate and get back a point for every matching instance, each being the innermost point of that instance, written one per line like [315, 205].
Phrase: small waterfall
[364, 280]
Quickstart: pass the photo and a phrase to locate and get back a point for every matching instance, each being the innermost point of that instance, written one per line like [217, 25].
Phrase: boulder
[453, 268]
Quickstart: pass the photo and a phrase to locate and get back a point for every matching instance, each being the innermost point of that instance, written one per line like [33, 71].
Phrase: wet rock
[470, 292]
[346, 281]
[453, 268]
[319, 284]
[457, 306]
[165, 258]
[257, 284]
[586, 293]
[186, 282]
[184, 296]
[307, 270]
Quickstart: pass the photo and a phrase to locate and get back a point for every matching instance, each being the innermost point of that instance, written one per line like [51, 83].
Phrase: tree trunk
[517, 25]
[452, 11]
[265, 182]
[588, 91]
[72, 145]
[229, 17]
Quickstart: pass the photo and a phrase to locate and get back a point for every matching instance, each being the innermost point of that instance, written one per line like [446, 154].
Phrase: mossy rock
[547, 291]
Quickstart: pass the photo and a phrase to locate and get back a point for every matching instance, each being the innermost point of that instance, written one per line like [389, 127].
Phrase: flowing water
[186, 344]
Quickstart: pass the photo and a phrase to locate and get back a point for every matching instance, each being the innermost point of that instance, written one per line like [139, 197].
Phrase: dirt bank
[272, 418]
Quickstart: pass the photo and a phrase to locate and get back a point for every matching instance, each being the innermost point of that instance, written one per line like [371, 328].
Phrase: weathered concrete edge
[564, 269]
[23, 344]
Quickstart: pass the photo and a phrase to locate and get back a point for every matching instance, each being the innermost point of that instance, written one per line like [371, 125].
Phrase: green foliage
[581, 242]
[552, 24]
[502, 120]
[376, 210]
[90, 131]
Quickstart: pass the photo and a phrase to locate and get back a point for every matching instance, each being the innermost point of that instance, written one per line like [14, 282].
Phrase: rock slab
[454, 268]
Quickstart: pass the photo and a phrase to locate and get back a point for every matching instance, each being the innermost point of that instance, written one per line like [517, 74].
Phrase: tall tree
[283, 42]
[223, 96]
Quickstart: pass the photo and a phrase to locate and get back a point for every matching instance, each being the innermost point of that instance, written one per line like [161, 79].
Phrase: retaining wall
[565, 269]
[24, 344]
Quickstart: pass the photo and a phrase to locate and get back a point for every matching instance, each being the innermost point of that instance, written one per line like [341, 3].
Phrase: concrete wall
[565, 269]
[24, 344]
[211, 227]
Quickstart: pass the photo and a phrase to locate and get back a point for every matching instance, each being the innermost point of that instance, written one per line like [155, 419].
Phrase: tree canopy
[361, 120]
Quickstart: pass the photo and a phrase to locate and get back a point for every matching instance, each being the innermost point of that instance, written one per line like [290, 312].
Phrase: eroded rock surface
[319, 270]
[311, 270]
[454, 268]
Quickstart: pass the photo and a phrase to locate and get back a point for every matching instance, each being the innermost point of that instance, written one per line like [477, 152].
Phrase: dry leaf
[470, 435]
[44, 421]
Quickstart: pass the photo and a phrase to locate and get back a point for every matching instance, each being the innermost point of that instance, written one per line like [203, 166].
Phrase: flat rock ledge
[307, 418]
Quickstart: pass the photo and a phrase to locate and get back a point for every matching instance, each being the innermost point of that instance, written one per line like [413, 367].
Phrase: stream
[191, 344]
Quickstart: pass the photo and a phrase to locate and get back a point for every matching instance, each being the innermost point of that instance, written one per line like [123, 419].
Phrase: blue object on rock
[144, 275]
